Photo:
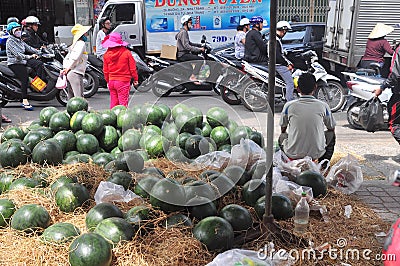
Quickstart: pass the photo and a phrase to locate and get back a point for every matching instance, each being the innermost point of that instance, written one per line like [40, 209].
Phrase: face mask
[18, 34]
[84, 38]
[190, 26]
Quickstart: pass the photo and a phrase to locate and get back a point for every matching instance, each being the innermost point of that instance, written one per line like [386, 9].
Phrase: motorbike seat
[95, 61]
[366, 71]
[6, 71]
[262, 67]
[170, 61]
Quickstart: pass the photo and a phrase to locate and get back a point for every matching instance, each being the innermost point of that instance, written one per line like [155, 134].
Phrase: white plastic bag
[293, 191]
[246, 154]
[239, 257]
[61, 82]
[346, 175]
[110, 192]
[216, 159]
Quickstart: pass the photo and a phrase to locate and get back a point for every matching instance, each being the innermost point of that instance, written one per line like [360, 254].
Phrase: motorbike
[253, 93]
[361, 89]
[144, 71]
[173, 76]
[10, 86]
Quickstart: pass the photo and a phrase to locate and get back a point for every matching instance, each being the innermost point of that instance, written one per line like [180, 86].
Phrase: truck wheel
[90, 84]
[253, 98]
[62, 97]
[352, 115]
[334, 95]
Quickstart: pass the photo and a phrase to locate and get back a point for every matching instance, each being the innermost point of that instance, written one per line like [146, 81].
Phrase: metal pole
[268, 218]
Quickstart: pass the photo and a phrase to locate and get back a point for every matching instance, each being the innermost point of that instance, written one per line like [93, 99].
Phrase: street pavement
[378, 153]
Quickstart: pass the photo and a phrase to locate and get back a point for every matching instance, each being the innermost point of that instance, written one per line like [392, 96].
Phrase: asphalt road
[378, 152]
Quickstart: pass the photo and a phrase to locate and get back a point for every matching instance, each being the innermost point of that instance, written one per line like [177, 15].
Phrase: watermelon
[34, 124]
[281, 207]
[177, 220]
[30, 218]
[129, 161]
[121, 178]
[115, 152]
[47, 151]
[313, 180]
[181, 139]
[7, 209]
[201, 207]
[231, 126]
[252, 191]
[60, 233]
[258, 138]
[152, 129]
[5, 181]
[215, 233]
[196, 145]
[178, 109]
[45, 115]
[205, 129]
[199, 188]
[156, 146]
[42, 175]
[258, 169]
[170, 132]
[128, 119]
[144, 154]
[151, 115]
[115, 229]
[238, 216]
[239, 133]
[198, 115]
[100, 212]
[186, 122]
[79, 158]
[67, 140]
[62, 180]
[75, 122]
[129, 140]
[217, 116]
[32, 139]
[139, 217]
[220, 135]
[237, 174]
[59, 121]
[102, 158]
[45, 132]
[108, 139]
[76, 104]
[166, 112]
[71, 196]
[87, 143]
[176, 154]
[109, 118]
[222, 184]
[14, 153]
[92, 123]
[144, 185]
[24, 182]
[207, 173]
[118, 109]
[90, 249]
[167, 195]
[12, 133]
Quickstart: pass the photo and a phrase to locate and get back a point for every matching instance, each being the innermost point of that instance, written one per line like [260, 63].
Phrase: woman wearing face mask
[17, 59]
[75, 62]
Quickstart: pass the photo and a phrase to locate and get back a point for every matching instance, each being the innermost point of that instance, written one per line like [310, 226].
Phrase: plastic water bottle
[301, 214]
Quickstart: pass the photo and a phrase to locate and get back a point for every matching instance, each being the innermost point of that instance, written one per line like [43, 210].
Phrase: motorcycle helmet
[32, 20]
[12, 19]
[256, 20]
[244, 21]
[11, 26]
[283, 25]
[185, 19]
[102, 21]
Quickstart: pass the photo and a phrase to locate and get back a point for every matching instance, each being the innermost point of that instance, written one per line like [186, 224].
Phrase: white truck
[349, 22]
[147, 24]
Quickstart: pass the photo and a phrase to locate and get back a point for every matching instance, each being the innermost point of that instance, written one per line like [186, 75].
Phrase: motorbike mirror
[203, 39]
[44, 34]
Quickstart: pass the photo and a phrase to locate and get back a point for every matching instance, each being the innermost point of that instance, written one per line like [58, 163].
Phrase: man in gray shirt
[303, 122]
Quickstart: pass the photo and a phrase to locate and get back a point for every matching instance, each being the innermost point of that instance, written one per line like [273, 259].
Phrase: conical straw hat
[380, 30]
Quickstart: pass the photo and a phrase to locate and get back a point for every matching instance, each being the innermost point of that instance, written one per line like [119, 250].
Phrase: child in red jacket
[119, 68]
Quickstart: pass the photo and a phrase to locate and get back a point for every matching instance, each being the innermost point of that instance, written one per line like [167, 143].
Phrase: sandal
[5, 119]
[27, 107]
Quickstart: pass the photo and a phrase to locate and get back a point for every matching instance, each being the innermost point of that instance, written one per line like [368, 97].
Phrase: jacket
[119, 64]
[100, 50]
[376, 50]
[255, 49]
[393, 80]
[281, 58]
[16, 50]
[183, 44]
[76, 59]
[32, 38]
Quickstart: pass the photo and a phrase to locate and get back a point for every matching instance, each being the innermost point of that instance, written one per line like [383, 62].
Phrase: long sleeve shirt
[16, 50]
[255, 49]
[281, 58]
[100, 50]
[184, 45]
[394, 76]
[76, 59]
[119, 64]
[376, 49]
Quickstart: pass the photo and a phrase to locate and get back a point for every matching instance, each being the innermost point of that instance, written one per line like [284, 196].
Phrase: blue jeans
[286, 75]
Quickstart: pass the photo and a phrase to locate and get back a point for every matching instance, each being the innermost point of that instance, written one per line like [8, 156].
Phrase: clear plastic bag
[110, 192]
[293, 191]
[294, 167]
[216, 159]
[240, 257]
[346, 175]
[246, 154]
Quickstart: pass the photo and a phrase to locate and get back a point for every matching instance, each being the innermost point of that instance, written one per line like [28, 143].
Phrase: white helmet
[283, 25]
[185, 18]
[244, 21]
[32, 20]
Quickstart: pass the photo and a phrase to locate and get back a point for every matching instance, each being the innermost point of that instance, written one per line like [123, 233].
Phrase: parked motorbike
[361, 89]
[254, 96]
[10, 86]
[144, 71]
[173, 76]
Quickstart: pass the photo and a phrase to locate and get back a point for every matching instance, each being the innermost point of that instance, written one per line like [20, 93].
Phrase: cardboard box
[168, 51]
[38, 84]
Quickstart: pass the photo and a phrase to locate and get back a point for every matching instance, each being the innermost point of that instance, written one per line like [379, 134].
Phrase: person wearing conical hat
[74, 64]
[377, 46]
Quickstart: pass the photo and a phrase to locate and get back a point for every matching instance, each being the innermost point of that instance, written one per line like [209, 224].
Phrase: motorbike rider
[240, 38]
[283, 66]
[377, 46]
[255, 49]
[393, 106]
[18, 60]
[105, 26]
[30, 34]
[186, 49]
[4, 36]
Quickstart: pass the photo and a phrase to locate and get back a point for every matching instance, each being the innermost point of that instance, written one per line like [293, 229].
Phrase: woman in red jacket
[119, 69]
